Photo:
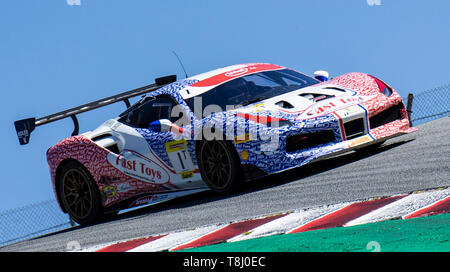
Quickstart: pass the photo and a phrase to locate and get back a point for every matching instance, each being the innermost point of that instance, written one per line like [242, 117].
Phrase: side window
[149, 109]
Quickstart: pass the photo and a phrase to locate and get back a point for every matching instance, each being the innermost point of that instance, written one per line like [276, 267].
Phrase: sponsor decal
[135, 165]
[360, 140]
[112, 124]
[187, 174]
[109, 191]
[176, 146]
[259, 118]
[244, 155]
[224, 77]
[23, 133]
[349, 111]
[237, 72]
[123, 187]
[240, 139]
[179, 157]
[333, 105]
[149, 199]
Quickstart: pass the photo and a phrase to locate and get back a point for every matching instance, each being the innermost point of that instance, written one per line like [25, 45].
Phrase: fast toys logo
[330, 106]
[137, 166]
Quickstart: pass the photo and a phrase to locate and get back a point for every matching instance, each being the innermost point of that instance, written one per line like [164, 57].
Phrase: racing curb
[405, 206]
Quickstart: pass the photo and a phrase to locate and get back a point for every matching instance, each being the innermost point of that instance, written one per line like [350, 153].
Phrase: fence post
[409, 107]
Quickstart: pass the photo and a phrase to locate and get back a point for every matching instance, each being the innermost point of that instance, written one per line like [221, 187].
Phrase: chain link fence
[46, 217]
[430, 105]
[31, 221]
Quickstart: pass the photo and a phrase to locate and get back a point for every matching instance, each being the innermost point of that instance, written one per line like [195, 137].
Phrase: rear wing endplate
[24, 127]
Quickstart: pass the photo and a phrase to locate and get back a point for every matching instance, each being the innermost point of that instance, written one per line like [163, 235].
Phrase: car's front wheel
[79, 194]
[220, 166]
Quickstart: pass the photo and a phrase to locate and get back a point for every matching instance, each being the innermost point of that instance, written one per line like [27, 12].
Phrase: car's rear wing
[24, 127]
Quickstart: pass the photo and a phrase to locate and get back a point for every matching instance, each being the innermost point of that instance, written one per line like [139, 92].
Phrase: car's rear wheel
[79, 194]
[220, 166]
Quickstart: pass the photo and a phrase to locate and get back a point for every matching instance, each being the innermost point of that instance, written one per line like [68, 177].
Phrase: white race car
[214, 131]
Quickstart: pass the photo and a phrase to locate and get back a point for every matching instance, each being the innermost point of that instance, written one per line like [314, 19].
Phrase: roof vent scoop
[335, 88]
[284, 104]
[315, 97]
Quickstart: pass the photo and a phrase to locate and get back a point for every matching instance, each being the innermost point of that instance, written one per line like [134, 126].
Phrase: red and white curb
[406, 206]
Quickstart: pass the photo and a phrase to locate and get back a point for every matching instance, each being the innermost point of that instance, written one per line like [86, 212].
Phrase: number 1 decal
[180, 158]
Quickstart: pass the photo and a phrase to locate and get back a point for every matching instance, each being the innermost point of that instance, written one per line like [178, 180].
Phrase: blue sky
[54, 56]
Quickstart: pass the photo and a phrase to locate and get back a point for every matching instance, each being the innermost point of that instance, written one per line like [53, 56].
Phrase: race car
[214, 131]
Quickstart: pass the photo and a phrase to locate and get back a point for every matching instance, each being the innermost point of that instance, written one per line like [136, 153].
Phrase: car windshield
[252, 88]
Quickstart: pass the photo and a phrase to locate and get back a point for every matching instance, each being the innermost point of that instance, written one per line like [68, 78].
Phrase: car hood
[306, 103]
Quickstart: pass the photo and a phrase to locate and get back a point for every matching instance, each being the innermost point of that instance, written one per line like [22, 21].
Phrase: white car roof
[211, 79]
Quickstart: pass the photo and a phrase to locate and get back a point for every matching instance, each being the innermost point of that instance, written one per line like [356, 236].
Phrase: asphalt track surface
[412, 162]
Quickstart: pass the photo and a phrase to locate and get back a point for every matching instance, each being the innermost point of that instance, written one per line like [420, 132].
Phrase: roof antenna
[182, 66]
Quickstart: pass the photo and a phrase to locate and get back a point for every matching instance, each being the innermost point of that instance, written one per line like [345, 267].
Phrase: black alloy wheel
[79, 194]
[220, 166]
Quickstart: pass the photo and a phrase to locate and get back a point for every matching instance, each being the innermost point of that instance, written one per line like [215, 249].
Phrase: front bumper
[345, 133]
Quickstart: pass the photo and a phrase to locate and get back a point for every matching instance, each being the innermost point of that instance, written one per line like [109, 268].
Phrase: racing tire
[79, 194]
[220, 166]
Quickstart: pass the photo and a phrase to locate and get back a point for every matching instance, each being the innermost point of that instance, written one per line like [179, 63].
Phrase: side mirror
[165, 125]
[321, 75]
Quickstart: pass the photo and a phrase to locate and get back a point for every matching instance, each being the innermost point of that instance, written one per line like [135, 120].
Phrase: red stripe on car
[258, 118]
[224, 77]
[341, 125]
